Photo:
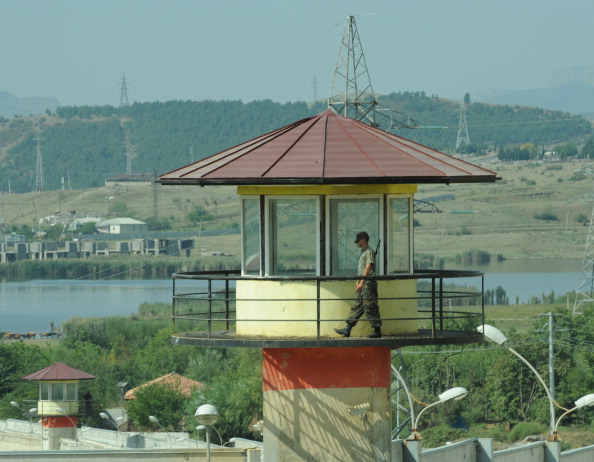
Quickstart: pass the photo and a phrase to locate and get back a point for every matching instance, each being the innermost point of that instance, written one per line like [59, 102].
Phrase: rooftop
[328, 149]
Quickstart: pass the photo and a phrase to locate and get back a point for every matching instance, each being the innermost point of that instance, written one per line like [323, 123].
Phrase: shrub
[546, 216]
[524, 429]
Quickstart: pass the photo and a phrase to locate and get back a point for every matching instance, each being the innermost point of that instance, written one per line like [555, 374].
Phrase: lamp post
[455, 394]
[116, 423]
[154, 420]
[63, 412]
[495, 335]
[584, 401]
[207, 415]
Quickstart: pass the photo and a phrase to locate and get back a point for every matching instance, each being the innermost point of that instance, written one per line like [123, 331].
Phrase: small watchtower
[58, 404]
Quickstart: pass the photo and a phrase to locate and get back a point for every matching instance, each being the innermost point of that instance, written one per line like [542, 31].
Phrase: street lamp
[455, 394]
[207, 415]
[495, 335]
[584, 401]
[116, 423]
[154, 420]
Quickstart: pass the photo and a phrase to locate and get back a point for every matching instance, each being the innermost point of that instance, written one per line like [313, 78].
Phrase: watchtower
[306, 190]
[58, 402]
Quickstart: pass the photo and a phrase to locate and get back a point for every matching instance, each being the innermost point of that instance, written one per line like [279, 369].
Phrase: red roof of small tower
[59, 371]
[328, 149]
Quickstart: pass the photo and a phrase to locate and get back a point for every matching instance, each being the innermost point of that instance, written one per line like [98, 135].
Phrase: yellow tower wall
[289, 308]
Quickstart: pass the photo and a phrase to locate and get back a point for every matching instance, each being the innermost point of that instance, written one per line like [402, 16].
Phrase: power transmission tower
[39, 162]
[314, 83]
[585, 291]
[462, 127]
[351, 93]
[123, 92]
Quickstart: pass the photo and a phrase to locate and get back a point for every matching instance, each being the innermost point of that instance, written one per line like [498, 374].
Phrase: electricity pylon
[462, 128]
[123, 92]
[351, 93]
[584, 294]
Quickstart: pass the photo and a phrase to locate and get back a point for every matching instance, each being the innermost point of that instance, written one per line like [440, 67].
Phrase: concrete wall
[153, 455]
[481, 450]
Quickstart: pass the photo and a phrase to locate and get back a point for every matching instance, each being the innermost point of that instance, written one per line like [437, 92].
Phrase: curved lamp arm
[495, 335]
[408, 395]
[584, 401]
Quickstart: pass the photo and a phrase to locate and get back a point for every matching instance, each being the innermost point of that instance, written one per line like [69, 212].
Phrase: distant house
[179, 382]
[122, 226]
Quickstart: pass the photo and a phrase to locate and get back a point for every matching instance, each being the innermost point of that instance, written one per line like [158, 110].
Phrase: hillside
[530, 213]
[81, 146]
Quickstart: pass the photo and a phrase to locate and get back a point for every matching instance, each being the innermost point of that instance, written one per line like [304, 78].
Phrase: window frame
[268, 263]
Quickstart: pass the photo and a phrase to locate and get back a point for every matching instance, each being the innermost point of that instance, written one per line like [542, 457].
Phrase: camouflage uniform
[365, 300]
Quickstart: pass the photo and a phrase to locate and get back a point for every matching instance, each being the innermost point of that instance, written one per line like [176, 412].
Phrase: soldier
[365, 292]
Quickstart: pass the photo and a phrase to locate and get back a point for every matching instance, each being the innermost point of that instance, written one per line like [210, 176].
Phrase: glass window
[250, 219]
[293, 236]
[44, 391]
[57, 391]
[399, 226]
[71, 391]
[348, 217]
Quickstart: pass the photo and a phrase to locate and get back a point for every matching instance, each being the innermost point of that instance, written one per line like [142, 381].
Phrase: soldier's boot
[377, 333]
[345, 331]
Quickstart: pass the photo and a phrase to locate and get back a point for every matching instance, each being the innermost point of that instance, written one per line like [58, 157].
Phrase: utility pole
[550, 329]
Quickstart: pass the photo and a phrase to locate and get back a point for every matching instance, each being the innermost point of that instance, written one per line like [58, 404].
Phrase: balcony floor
[229, 338]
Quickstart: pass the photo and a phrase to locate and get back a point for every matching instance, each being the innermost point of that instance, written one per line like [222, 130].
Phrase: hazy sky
[77, 50]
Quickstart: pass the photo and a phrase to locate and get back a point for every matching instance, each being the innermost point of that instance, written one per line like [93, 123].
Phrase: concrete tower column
[330, 404]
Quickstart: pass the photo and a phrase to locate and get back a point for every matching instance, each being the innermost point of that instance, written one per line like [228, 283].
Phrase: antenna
[39, 162]
[123, 92]
[351, 93]
[462, 127]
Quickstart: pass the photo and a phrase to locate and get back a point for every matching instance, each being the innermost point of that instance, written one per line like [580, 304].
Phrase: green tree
[167, 403]
[88, 228]
[566, 150]
[118, 208]
[588, 148]
[199, 214]
[467, 98]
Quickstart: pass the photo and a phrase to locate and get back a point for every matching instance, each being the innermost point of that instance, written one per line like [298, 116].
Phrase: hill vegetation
[84, 145]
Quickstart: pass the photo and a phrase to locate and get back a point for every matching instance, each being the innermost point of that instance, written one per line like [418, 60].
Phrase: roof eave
[332, 181]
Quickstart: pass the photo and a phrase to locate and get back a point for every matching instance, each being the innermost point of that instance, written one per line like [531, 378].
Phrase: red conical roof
[328, 149]
[59, 371]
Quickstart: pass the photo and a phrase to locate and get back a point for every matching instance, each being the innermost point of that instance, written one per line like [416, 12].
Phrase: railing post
[227, 302]
[209, 321]
[173, 306]
[483, 297]
[433, 306]
[318, 307]
[441, 303]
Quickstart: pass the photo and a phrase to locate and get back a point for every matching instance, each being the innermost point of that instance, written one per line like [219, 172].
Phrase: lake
[32, 305]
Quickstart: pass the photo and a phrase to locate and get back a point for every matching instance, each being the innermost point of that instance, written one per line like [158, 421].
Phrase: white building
[122, 226]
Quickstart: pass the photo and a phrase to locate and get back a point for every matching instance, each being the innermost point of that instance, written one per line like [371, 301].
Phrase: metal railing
[206, 301]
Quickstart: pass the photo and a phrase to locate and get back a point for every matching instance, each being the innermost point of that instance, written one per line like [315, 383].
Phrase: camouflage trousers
[365, 302]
